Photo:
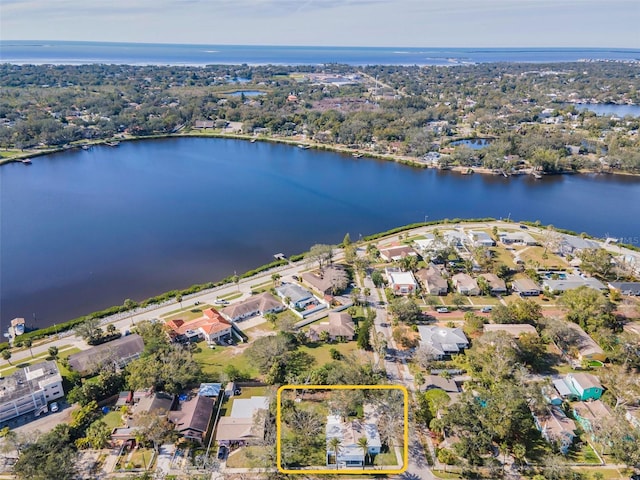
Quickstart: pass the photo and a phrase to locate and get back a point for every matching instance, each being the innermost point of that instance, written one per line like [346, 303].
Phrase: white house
[255, 305]
[401, 283]
[465, 285]
[481, 239]
[298, 296]
[350, 454]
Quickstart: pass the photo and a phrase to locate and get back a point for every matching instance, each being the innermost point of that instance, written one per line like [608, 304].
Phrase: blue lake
[83, 230]
[609, 109]
[247, 93]
[473, 143]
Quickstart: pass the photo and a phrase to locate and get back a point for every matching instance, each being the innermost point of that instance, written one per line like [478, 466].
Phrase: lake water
[247, 93]
[610, 109]
[84, 230]
[76, 53]
[473, 143]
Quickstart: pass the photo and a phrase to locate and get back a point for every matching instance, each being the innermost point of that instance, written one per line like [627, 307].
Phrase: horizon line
[475, 47]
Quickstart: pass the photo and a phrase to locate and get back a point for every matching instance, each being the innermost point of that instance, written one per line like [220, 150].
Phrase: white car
[442, 310]
[54, 407]
[220, 301]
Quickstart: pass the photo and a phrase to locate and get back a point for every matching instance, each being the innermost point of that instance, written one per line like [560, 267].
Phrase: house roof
[155, 402]
[295, 292]
[465, 281]
[340, 324]
[194, 414]
[525, 285]
[627, 288]
[351, 432]
[573, 282]
[432, 278]
[324, 279]
[397, 252]
[522, 237]
[443, 340]
[513, 329]
[235, 429]
[257, 303]
[577, 243]
[495, 282]
[556, 424]
[246, 407]
[436, 381]
[211, 322]
[586, 345]
[401, 278]
[585, 380]
[119, 349]
[594, 410]
[562, 387]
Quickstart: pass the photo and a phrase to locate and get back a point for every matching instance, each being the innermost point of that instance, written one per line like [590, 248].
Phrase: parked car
[442, 310]
[486, 309]
[220, 301]
[54, 407]
[222, 452]
[296, 278]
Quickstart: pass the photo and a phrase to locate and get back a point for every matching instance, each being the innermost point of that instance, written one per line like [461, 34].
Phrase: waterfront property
[329, 280]
[571, 245]
[296, 295]
[481, 239]
[339, 326]
[255, 305]
[349, 452]
[443, 341]
[517, 238]
[29, 390]
[395, 253]
[118, 353]
[213, 327]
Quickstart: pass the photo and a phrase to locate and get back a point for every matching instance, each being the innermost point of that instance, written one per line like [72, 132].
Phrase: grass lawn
[481, 301]
[247, 457]
[113, 419]
[186, 314]
[388, 458]
[607, 473]
[142, 458]
[261, 330]
[503, 256]
[321, 351]
[64, 352]
[441, 474]
[534, 256]
[213, 361]
[231, 296]
[584, 455]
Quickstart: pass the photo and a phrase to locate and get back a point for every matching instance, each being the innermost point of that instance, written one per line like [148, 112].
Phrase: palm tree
[28, 343]
[6, 354]
[53, 352]
[179, 299]
[367, 294]
[335, 444]
[276, 277]
[363, 443]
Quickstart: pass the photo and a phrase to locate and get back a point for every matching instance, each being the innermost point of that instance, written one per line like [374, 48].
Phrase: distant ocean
[77, 53]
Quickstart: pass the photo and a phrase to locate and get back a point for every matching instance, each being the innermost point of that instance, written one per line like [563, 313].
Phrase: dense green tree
[405, 310]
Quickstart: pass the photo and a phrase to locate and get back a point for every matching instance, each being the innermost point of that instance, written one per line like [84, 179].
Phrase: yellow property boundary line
[405, 452]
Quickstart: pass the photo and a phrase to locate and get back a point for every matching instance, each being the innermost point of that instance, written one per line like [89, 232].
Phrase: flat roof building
[29, 390]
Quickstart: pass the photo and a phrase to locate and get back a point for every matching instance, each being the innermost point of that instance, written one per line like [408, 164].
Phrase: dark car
[222, 452]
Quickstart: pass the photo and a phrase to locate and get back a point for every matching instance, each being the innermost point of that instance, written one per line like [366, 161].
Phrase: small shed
[229, 389]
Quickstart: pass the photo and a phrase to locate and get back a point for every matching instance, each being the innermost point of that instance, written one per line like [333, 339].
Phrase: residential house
[255, 305]
[571, 282]
[350, 454]
[571, 245]
[298, 297]
[481, 239]
[514, 330]
[433, 281]
[589, 414]
[579, 386]
[394, 253]
[465, 285]
[246, 422]
[633, 416]
[401, 283]
[203, 124]
[29, 390]
[587, 348]
[340, 325]
[496, 284]
[517, 238]
[526, 287]
[193, 417]
[117, 352]
[442, 383]
[212, 327]
[442, 341]
[155, 402]
[556, 428]
[626, 288]
[455, 238]
[327, 280]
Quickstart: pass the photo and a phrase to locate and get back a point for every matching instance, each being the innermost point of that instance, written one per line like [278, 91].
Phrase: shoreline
[24, 156]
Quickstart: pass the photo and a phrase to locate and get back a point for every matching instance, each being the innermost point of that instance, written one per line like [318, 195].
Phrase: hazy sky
[463, 23]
